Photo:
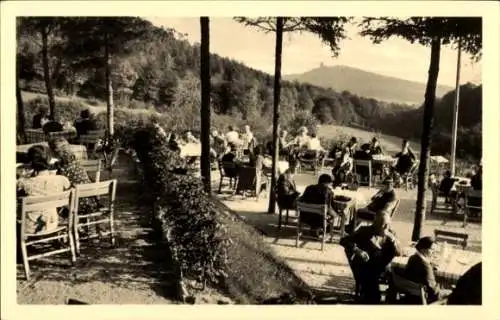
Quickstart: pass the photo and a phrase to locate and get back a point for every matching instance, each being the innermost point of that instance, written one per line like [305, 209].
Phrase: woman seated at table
[342, 168]
[41, 183]
[41, 117]
[381, 203]
[420, 270]
[52, 125]
[375, 147]
[71, 168]
[286, 190]
[406, 159]
[446, 185]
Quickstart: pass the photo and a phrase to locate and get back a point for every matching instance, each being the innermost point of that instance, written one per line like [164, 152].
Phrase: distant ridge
[367, 84]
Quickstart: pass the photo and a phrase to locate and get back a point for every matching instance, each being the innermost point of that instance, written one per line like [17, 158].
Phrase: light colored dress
[43, 184]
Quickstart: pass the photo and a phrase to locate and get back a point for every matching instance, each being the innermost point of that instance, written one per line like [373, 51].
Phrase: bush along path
[136, 271]
[213, 250]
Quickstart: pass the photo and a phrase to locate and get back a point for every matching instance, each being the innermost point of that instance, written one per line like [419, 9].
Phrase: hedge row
[197, 240]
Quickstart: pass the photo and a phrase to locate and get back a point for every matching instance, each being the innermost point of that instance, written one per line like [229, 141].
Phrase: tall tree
[433, 32]
[45, 27]
[96, 42]
[205, 102]
[330, 30]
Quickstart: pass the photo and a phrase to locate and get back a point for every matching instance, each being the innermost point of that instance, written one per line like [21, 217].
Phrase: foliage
[198, 240]
[68, 110]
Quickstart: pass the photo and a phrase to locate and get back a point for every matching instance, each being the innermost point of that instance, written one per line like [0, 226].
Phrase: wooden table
[448, 269]
[384, 158]
[79, 150]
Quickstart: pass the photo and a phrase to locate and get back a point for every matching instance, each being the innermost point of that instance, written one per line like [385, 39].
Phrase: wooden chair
[407, 287]
[436, 195]
[311, 162]
[281, 208]
[319, 209]
[93, 167]
[393, 212]
[363, 164]
[101, 216]
[451, 237]
[62, 233]
[250, 179]
[475, 205]
[228, 170]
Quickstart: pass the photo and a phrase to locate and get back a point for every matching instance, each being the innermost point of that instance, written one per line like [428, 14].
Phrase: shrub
[198, 240]
[67, 110]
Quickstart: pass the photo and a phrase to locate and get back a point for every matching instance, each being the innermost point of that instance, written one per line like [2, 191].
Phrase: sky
[304, 51]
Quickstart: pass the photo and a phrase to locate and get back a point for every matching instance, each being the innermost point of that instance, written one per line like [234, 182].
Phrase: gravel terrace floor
[328, 272]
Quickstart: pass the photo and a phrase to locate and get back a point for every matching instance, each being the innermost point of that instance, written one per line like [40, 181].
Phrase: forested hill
[367, 84]
[160, 70]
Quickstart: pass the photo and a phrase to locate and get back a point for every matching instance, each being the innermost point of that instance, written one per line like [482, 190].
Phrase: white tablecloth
[80, 151]
[449, 269]
[191, 150]
[384, 158]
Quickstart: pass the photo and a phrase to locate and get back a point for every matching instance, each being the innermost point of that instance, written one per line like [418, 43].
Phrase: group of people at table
[48, 123]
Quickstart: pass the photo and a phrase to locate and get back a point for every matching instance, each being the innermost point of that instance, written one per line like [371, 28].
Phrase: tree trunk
[46, 70]
[205, 102]
[423, 173]
[20, 110]
[109, 88]
[276, 114]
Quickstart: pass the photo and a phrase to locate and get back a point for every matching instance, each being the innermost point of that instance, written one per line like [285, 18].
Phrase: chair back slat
[95, 189]
[46, 205]
[312, 208]
[395, 208]
[93, 167]
[451, 237]
[406, 286]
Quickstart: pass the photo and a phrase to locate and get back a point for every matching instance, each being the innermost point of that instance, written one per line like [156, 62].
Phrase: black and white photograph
[250, 159]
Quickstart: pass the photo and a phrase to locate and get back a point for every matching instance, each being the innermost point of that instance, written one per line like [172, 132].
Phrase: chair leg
[279, 218]
[324, 234]
[71, 246]
[286, 219]
[220, 184]
[112, 228]
[25, 259]
[298, 232]
[77, 235]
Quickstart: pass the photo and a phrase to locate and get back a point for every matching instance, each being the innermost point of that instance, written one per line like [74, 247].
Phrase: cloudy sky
[303, 52]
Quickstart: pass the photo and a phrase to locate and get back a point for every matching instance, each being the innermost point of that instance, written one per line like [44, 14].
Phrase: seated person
[40, 118]
[85, 123]
[382, 202]
[283, 143]
[173, 143]
[406, 159]
[375, 147]
[342, 168]
[232, 136]
[352, 145]
[468, 290]
[369, 251]
[52, 126]
[446, 185]
[477, 179]
[320, 193]
[420, 270]
[247, 139]
[191, 139]
[218, 144]
[41, 183]
[286, 190]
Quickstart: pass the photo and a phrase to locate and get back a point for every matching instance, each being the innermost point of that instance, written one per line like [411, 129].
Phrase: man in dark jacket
[85, 123]
[369, 250]
[382, 202]
[320, 193]
[420, 270]
[40, 118]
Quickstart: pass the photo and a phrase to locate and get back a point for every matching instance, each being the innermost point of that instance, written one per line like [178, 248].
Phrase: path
[134, 272]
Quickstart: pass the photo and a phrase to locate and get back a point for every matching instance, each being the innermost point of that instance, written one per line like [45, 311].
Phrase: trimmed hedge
[197, 239]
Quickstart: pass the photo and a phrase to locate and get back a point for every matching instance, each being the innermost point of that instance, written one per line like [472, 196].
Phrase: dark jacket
[421, 271]
[468, 290]
[316, 194]
[382, 202]
[287, 192]
[361, 239]
[52, 126]
[83, 126]
[37, 121]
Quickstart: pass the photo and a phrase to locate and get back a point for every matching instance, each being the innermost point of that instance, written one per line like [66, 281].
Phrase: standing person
[369, 251]
[41, 117]
[406, 159]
